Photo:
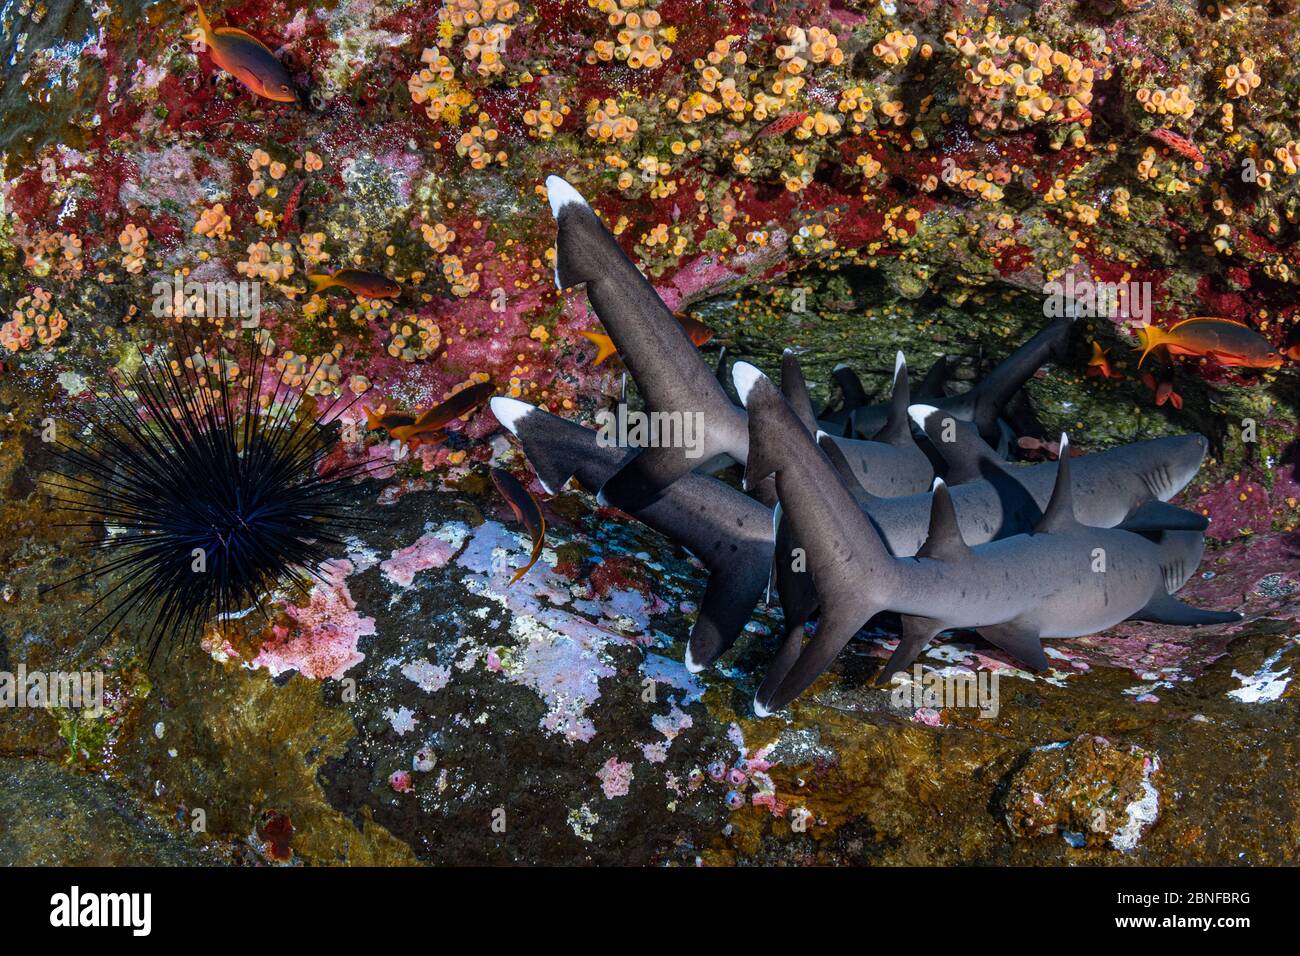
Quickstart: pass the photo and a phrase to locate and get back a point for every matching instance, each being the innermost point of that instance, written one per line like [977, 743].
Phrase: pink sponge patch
[428, 552]
[322, 642]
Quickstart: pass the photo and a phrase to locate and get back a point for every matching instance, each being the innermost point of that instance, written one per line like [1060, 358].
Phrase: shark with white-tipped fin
[729, 532]
[1015, 591]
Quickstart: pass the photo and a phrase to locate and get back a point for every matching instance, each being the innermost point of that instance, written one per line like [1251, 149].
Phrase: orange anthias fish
[1164, 389]
[527, 511]
[382, 418]
[247, 59]
[1220, 340]
[1098, 364]
[699, 334]
[443, 414]
[362, 284]
[1292, 352]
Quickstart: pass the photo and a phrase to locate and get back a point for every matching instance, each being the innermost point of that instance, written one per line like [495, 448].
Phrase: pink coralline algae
[615, 778]
[429, 551]
[322, 642]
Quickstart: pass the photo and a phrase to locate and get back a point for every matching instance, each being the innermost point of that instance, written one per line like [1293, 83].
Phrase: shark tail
[571, 266]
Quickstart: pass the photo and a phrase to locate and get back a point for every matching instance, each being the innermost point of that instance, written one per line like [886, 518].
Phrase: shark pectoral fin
[917, 632]
[1021, 641]
[795, 389]
[835, 629]
[1059, 515]
[639, 482]
[1167, 609]
[785, 657]
[733, 591]
[794, 582]
[1162, 516]
[943, 541]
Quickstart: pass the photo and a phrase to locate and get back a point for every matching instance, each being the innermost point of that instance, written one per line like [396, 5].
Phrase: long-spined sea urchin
[202, 501]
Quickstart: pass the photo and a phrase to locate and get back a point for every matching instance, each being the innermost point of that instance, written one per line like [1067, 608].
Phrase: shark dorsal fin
[932, 385]
[1059, 514]
[943, 542]
[966, 455]
[844, 469]
[855, 396]
[795, 389]
[898, 426]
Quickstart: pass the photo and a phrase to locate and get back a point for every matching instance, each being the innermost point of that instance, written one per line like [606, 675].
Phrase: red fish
[782, 124]
[443, 414]
[699, 333]
[1099, 365]
[1164, 389]
[362, 284]
[1220, 340]
[247, 59]
[1292, 352]
[527, 511]
[1181, 145]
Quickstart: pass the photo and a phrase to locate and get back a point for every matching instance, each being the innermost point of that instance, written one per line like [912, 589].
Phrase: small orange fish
[699, 334]
[1164, 389]
[1220, 340]
[1099, 365]
[362, 284]
[443, 414]
[247, 59]
[1292, 352]
[386, 420]
[527, 511]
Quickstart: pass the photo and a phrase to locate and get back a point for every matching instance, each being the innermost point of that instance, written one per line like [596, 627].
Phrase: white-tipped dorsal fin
[1059, 514]
[900, 363]
[509, 412]
[920, 413]
[744, 376]
[561, 194]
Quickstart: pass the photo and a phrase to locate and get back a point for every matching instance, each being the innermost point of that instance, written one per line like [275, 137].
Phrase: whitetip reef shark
[728, 531]
[670, 372]
[948, 584]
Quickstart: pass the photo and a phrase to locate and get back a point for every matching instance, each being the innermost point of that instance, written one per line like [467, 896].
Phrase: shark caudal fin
[557, 449]
[850, 566]
[943, 541]
[966, 455]
[986, 401]
[795, 389]
[1059, 515]
[568, 207]
[898, 426]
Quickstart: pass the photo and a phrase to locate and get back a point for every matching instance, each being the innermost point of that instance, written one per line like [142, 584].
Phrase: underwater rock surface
[867, 190]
